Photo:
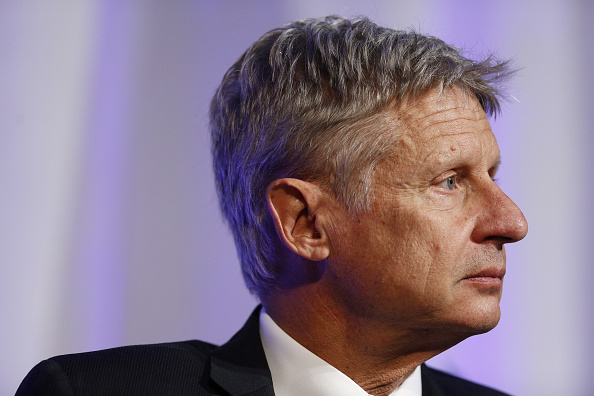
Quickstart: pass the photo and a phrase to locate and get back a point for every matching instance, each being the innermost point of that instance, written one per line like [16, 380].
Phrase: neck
[378, 358]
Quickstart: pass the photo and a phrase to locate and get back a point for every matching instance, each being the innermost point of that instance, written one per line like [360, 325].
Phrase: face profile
[430, 252]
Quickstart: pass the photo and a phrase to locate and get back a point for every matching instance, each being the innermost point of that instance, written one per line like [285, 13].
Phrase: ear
[294, 205]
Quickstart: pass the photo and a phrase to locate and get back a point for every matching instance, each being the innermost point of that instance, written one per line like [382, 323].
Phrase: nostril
[503, 239]
[499, 240]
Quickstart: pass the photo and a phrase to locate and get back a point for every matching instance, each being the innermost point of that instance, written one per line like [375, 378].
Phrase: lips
[492, 272]
[490, 278]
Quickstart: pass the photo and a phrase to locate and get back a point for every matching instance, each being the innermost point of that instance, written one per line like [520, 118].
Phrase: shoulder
[436, 382]
[177, 367]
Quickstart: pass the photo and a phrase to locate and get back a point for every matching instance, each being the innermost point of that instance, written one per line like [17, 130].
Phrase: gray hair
[302, 102]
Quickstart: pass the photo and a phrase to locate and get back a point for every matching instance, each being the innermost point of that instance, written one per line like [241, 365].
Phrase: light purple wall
[111, 233]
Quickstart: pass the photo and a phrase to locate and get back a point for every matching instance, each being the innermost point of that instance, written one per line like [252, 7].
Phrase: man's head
[306, 101]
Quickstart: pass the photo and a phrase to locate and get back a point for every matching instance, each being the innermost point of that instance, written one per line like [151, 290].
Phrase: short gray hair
[301, 102]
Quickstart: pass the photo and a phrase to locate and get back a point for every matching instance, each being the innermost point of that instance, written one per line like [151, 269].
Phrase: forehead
[442, 124]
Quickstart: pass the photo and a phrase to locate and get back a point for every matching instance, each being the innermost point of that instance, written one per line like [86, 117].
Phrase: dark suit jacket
[196, 368]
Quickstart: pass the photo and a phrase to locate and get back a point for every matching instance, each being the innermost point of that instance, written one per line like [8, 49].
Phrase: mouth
[489, 276]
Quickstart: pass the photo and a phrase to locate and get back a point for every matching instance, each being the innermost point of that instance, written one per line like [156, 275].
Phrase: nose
[499, 218]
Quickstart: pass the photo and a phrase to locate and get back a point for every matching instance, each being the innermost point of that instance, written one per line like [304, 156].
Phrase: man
[355, 166]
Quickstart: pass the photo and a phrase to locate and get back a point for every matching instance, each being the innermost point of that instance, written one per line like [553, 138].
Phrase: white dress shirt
[296, 371]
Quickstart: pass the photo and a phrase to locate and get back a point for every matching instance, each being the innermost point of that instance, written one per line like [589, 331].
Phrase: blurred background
[110, 231]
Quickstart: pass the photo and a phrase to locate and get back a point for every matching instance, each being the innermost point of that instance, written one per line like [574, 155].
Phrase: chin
[485, 327]
[477, 318]
[484, 319]
[480, 311]
[453, 330]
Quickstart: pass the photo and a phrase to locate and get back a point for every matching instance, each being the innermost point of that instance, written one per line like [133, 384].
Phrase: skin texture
[377, 294]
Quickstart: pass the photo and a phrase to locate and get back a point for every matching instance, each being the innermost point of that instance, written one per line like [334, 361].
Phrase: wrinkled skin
[430, 252]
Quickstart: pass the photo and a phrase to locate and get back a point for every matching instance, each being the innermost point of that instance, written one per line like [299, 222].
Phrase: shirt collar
[297, 371]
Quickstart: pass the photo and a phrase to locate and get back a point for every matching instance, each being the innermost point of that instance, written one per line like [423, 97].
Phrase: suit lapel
[240, 365]
[430, 386]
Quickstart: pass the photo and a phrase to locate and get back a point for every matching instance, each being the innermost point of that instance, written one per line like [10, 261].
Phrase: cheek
[435, 250]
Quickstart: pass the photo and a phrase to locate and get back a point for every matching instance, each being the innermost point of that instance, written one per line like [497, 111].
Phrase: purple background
[110, 230]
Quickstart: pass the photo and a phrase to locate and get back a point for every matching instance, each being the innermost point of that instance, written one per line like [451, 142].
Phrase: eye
[449, 183]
